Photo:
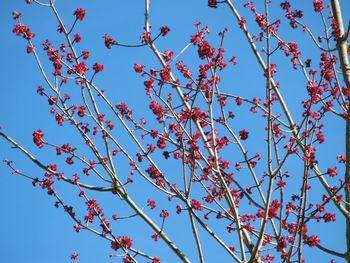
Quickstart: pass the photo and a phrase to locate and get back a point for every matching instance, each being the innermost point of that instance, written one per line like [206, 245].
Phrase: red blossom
[149, 85]
[184, 69]
[151, 203]
[30, 49]
[161, 143]
[196, 205]
[77, 38]
[21, 30]
[109, 124]
[165, 73]
[205, 50]
[146, 37]
[69, 160]
[157, 110]
[335, 29]
[121, 241]
[79, 14]
[98, 67]
[318, 5]
[164, 214]
[239, 101]
[81, 111]
[312, 241]
[138, 68]
[85, 54]
[156, 260]
[281, 184]
[109, 42]
[164, 30]
[243, 134]
[178, 209]
[81, 68]
[77, 228]
[38, 136]
[155, 237]
[233, 60]
[74, 256]
[124, 110]
[167, 55]
[212, 3]
[341, 158]
[242, 22]
[153, 172]
[332, 171]
[16, 15]
[52, 100]
[281, 244]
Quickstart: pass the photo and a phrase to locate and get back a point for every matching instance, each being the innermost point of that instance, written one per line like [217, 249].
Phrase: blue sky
[32, 230]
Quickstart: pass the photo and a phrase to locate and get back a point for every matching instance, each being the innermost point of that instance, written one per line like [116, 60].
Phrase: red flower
[74, 256]
[312, 241]
[205, 50]
[38, 136]
[165, 73]
[110, 125]
[161, 143]
[128, 259]
[80, 14]
[332, 171]
[242, 22]
[22, 30]
[52, 100]
[69, 160]
[233, 60]
[164, 30]
[81, 68]
[85, 54]
[178, 209]
[77, 38]
[98, 67]
[109, 42]
[164, 214]
[16, 15]
[81, 111]
[146, 37]
[153, 172]
[59, 119]
[239, 101]
[121, 241]
[77, 228]
[281, 184]
[196, 205]
[167, 55]
[318, 5]
[157, 110]
[281, 244]
[155, 237]
[138, 68]
[124, 110]
[151, 203]
[243, 134]
[212, 3]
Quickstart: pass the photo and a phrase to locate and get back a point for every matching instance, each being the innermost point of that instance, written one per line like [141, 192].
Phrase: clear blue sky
[31, 229]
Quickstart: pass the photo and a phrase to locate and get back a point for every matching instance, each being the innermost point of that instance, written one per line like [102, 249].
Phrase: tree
[233, 148]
